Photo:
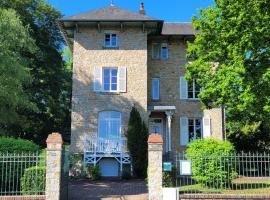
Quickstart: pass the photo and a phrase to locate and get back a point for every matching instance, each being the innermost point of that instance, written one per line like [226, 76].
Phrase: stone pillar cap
[55, 138]
[155, 139]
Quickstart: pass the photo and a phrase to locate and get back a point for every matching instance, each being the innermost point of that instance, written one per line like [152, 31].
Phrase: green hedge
[9, 144]
[33, 180]
[211, 164]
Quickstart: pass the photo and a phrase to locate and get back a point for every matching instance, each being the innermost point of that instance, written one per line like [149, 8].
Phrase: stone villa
[124, 59]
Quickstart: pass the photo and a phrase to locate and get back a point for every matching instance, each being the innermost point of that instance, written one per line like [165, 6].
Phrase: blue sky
[168, 10]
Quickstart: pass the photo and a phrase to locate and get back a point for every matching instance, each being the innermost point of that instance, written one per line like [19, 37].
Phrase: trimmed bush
[9, 144]
[33, 180]
[211, 164]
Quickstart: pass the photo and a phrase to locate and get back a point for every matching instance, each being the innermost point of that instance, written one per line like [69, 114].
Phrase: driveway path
[107, 190]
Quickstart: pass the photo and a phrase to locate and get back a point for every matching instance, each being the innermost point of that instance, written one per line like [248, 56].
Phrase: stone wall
[86, 104]
[169, 72]
[215, 114]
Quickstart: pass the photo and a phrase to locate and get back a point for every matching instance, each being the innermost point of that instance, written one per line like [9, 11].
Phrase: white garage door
[108, 167]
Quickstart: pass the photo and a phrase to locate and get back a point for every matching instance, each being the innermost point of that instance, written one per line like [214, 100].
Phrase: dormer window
[110, 40]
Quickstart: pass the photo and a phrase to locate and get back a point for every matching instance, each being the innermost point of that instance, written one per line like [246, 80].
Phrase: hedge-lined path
[107, 190]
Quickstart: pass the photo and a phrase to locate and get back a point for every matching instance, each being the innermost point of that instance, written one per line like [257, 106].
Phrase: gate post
[53, 166]
[155, 144]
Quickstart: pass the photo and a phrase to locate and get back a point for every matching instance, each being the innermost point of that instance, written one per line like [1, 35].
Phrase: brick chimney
[142, 11]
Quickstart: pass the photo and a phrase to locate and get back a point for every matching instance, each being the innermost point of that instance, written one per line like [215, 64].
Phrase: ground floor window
[194, 129]
[109, 125]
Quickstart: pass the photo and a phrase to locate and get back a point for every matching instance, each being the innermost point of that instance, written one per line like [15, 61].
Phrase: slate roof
[178, 29]
[111, 13]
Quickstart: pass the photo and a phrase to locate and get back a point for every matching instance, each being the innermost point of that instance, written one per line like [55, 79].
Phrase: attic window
[111, 40]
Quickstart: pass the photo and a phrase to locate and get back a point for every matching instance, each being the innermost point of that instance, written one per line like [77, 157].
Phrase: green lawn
[239, 186]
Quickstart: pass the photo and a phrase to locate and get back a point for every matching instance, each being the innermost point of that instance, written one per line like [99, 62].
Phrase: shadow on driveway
[107, 190]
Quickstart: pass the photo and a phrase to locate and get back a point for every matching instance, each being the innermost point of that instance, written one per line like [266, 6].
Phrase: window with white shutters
[190, 129]
[110, 79]
[189, 89]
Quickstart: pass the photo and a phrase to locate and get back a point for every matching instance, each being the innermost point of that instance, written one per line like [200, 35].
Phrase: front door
[156, 126]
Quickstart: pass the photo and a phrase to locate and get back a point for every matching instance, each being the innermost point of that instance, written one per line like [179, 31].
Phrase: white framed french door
[109, 125]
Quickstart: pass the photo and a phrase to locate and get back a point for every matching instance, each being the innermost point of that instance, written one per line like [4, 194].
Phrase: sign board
[167, 166]
[185, 167]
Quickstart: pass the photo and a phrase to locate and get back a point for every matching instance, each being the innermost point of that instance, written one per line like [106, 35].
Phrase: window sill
[111, 48]
[109, 93]
[190, 99]
[160, 59]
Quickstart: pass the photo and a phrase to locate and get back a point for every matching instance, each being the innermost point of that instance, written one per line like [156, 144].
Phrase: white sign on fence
[185, 167]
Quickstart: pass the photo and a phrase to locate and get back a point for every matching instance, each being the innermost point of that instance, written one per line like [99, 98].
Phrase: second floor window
[155, 89]
[193, 90]
[111, 40]
[189, 89]
[110, 79]
[110, 76]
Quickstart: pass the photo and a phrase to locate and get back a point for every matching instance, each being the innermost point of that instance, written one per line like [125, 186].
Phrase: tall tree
[231, 61]
[14, 71]
[50, 76]
[137, 135]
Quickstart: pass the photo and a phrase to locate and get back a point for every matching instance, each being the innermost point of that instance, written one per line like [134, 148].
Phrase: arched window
[109, 125]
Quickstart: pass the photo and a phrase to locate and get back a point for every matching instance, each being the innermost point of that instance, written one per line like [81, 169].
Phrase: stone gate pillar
[53, 166]
[155, 144]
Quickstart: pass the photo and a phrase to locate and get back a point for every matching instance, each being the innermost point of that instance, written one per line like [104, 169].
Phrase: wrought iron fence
[243, 173]
[22, 173]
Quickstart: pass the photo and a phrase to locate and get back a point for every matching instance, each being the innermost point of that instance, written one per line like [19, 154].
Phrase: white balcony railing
[108, 146]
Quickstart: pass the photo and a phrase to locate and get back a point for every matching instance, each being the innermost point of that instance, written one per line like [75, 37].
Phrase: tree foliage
[137, 135]
[50, 88]
[14, 71]
[231, 61]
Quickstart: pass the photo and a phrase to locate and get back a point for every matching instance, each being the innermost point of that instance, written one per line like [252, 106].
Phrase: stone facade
[88, 53]
[135, 53]
[169, 71]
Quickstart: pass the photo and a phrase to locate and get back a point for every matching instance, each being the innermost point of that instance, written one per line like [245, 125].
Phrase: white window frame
[160, 56]
[194, 128]
[110, 120]
[193, 90]
[153, 92]
[117, 82]
[110, 46]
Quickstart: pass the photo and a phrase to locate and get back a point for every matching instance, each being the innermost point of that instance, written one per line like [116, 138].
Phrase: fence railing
[243, 173]
[101, 145]
[22, 174]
